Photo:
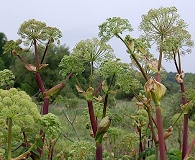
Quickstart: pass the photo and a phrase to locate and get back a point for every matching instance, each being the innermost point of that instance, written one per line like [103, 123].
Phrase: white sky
[79, 19]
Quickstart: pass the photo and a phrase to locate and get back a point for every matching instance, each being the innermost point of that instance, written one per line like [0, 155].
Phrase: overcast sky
[79, 19]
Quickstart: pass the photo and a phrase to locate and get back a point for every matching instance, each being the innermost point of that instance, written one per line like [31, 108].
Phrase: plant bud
[102, 129]
[14, 52]
[54, 90]
[186, 107]
[131, 45]
[31, 68]
[89, 94]
[178, 78]
[154, 90]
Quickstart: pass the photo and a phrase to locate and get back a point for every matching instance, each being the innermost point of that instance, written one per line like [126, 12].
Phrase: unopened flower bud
[102, 129]
[131, 45]
[154, 90]
[178, 78]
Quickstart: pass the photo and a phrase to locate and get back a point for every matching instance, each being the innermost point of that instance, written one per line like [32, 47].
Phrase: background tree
[5, 59]
[50, 75]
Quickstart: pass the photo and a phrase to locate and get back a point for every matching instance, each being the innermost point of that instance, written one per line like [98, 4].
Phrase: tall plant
[174, 47]
[20, 119]
[98, 55]
[168, 31]
[92, 52]
[33, 34]
[137, 49]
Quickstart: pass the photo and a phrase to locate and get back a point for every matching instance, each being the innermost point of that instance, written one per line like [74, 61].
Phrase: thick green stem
[9, 138]
[160, 133]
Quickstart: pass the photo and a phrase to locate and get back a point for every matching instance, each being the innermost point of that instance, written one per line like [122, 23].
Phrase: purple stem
[185, 126]
[160, 133]
[190, 148]
[140, 140]
[93, 120]
[99, 151]
[45, 51]
[92, 117]
[105, 106]
[98, 88]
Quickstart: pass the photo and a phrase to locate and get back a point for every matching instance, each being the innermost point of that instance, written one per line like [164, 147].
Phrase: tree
[5, 60]
[3, 40]
[50, 75]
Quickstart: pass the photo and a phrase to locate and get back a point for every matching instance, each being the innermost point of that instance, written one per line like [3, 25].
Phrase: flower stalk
[10, 123]
[155, 90]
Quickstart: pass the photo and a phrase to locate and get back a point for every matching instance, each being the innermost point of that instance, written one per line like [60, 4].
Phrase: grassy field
[121, 135]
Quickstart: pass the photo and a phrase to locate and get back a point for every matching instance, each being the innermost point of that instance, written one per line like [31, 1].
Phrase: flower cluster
[18, 106]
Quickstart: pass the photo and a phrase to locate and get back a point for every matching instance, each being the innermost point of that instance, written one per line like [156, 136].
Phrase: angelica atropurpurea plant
[92, 52]
[34, 34]
[115, 27]
[164, 27]
[103, 64]
[20, 123]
